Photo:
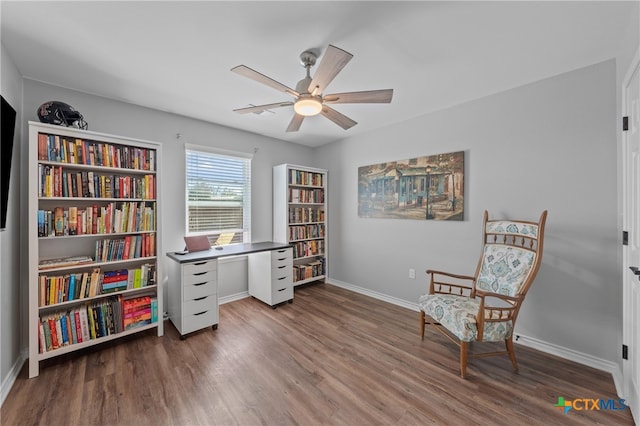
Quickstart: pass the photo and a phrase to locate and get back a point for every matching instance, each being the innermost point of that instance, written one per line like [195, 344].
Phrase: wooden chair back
[511, 258]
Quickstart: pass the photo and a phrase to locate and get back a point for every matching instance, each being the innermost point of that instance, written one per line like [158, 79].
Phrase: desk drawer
[200, 320]
[281, 292]
[198, 290]
[201, 304]
[281, 271]
[281, 257]
[286, 280]
[199, 267]
[199, 277]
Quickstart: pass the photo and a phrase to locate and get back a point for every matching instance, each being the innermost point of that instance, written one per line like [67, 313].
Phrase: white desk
[193, 289]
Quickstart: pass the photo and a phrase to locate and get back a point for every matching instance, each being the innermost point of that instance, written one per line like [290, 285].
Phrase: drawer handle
[282, 278]
[202, 283]
[282, 251]
[284, 258]
[199, 263]
[201, 273]
[200, 313]
[282, 289]
[201, 298]
[280, 267]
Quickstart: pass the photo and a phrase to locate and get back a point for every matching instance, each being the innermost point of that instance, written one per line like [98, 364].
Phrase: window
[218, 194]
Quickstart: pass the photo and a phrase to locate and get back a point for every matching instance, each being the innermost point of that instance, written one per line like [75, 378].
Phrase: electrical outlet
[412, 273]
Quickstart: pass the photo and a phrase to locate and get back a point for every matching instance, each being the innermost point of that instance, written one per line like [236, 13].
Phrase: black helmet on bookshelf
[56, 112]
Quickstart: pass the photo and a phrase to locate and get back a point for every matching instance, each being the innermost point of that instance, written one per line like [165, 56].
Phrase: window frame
[245, 232]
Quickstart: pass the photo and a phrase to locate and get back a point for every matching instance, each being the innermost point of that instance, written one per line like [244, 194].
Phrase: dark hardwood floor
[331, 357]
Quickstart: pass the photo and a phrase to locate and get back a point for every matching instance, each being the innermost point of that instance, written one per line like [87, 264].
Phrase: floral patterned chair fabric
[484, 307]
[458, 315]
[504, 269]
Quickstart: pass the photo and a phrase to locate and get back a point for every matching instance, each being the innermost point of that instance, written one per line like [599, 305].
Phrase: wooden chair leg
[511, 352]
[422, 322]
[463, 359]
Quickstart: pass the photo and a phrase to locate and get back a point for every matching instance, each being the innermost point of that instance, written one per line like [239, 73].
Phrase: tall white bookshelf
[300, 218]
[94, 240]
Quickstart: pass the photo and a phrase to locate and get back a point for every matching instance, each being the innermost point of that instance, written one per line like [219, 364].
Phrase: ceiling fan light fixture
[308, 95]
[308, 105]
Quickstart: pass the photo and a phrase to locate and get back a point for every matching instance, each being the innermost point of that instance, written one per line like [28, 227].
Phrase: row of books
[299, 195]
[57, 182]
[92, 321]
[54, 289]
[302, 232]
[305, 215]
[129, 247]
[70, 150]
[310, 270]
[308, 248]
[299, 177]
[125, 216]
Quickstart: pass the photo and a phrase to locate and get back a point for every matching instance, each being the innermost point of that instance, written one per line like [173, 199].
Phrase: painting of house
[424, 188]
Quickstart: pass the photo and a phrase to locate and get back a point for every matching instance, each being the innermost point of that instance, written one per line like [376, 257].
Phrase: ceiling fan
[308, 94]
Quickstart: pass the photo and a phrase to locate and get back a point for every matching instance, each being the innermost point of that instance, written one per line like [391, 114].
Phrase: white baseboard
[374, 294]
[575, 356]
[560, 351]
[8, 382]
[233, 297]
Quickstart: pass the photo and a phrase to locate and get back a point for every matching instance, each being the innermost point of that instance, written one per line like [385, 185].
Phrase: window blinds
[218, 193]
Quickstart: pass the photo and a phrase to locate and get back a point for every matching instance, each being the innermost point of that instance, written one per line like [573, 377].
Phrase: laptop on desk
[197, 243]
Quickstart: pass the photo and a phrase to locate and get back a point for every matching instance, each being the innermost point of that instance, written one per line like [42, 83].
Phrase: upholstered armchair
[484, 307]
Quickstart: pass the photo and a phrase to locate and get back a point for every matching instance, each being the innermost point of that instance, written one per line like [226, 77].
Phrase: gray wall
[547, 145]
[10, 324]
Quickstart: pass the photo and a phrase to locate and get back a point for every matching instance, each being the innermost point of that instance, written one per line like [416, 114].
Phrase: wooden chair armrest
[453, 284]
[494, 313]
[449, 274]
[510, 299]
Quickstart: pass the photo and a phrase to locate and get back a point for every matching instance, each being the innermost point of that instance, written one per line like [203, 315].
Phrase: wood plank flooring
[332, 357]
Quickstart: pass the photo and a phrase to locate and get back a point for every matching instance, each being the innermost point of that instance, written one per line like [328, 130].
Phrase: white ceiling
[176, 56]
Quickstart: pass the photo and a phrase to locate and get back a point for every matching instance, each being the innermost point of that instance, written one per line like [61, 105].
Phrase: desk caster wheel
[182, 337]
[290, 300]
[214, 327]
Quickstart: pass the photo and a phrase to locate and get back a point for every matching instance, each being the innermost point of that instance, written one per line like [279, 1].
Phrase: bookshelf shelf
[97, 264]
[305, 239]
[101, 169]
[90, 199]
[299, 218]
[113, 234]
[71, 303]
[94, 195]
[309, 280]
[77, 346]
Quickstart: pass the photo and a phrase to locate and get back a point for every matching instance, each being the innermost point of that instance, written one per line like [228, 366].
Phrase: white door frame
[631, 224]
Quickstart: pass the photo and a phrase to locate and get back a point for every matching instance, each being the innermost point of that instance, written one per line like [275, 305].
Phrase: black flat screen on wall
[8, 126]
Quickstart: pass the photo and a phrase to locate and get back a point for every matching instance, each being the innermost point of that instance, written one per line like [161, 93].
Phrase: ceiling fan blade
[338, 118]
[261, 78]
[332, 62]
[296, 121]
[260, 108]
[368, 97]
